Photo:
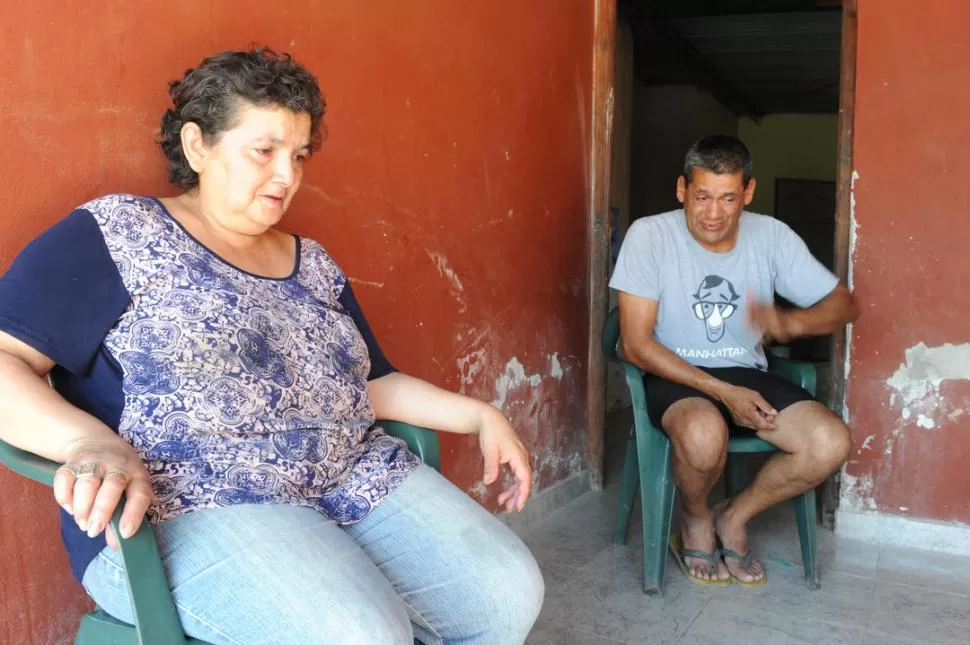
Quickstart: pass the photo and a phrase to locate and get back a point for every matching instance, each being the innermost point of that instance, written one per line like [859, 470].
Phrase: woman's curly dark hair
[208, 96]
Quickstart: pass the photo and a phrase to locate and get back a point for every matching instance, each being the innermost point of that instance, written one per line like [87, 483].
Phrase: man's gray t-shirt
[703, 295]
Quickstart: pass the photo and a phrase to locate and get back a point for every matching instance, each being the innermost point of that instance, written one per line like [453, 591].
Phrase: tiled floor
[869, 595]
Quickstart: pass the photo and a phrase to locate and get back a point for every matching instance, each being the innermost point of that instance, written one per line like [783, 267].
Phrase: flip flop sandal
[680, 554]
[744, 561]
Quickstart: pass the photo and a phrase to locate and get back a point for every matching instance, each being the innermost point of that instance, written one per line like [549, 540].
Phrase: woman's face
[248, 176]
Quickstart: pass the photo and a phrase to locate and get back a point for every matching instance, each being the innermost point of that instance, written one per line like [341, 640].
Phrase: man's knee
[823, 446]
[699, 434]
[830, 444]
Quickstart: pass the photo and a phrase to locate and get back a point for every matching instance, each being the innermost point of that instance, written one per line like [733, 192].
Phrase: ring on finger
[89, 470]
[116, 473]
[71, 470]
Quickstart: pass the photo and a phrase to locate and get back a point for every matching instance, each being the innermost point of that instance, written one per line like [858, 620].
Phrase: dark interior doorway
[779, 74]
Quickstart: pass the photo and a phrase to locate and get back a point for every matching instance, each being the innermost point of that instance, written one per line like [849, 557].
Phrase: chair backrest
[611, 333]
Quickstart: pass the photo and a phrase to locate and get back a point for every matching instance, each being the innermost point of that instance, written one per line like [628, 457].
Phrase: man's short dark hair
[718, 153]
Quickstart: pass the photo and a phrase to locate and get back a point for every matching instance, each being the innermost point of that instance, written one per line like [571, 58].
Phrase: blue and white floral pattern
[240, 389]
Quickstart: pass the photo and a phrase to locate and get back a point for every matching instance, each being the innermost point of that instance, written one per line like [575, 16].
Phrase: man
[696, 291]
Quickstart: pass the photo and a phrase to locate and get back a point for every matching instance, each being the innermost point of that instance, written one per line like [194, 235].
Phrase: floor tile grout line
[889, 581]
[568, 579]
[914, 641]
[872, 594]
[609, 639]
[680, 639]
[922, 588]
[594, 634]
[571, 579]
[788, 614]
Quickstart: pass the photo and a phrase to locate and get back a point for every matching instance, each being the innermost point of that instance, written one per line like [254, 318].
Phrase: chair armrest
[155, 616]
[421, 441]
[634, 381]
[799, 372]
[638, 395]
[28, 464]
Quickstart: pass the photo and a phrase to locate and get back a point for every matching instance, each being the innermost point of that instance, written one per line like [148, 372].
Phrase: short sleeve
[636, 270]
[799, 277]
[379, 365]
[63, 293]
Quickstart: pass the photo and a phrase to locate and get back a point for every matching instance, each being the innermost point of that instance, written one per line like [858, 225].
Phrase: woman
[221, 375]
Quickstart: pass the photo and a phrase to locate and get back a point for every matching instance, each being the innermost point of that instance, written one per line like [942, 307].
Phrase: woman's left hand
[406, 398]
[501, 446]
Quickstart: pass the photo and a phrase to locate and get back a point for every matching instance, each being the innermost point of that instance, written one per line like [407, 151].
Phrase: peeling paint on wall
[916, 383]
[526, 399]
[445, 271]
[857, 493]
[556, 371]
[853, 225]
[368, 283]
[513, 377]
[469, 367]
[853, 238]
[479, 491]
[572, 464]
[924, 421]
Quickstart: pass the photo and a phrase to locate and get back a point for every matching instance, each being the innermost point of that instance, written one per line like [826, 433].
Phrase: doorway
[779, 75]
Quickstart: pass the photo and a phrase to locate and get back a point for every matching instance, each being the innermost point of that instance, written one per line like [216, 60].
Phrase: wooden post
[843, 226]
[598, 230]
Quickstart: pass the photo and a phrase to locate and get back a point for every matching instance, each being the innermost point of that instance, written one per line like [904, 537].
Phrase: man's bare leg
[815, 443]
[699, 437]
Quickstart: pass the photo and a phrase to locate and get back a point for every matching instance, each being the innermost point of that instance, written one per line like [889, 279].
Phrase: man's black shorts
[776, 390]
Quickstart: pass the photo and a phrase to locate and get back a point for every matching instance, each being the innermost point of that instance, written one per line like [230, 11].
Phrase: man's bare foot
[734, 537]
[697, 534]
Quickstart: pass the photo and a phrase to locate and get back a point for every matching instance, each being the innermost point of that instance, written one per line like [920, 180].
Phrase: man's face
[713, 204]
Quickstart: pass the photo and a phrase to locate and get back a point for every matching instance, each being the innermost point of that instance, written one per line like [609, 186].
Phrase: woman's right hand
[90, 483]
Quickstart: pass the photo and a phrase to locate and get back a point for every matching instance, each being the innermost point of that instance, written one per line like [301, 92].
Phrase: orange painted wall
[910, 263]
[452, 188]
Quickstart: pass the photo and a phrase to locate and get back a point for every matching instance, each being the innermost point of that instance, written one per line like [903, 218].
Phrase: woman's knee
[266, 574]
[514, 591]
[528, 595]
[369, 623]
[294, 610]
[496, 598]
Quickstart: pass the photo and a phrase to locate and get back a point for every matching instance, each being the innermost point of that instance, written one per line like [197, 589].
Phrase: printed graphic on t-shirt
[715, 301]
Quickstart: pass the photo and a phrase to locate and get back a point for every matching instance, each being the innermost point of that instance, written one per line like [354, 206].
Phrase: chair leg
[657, 499]
[628, 490]
[734, 475]
[805, 517]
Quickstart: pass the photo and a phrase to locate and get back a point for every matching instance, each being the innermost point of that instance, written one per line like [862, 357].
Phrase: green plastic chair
[156, 619]
[647, 465]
